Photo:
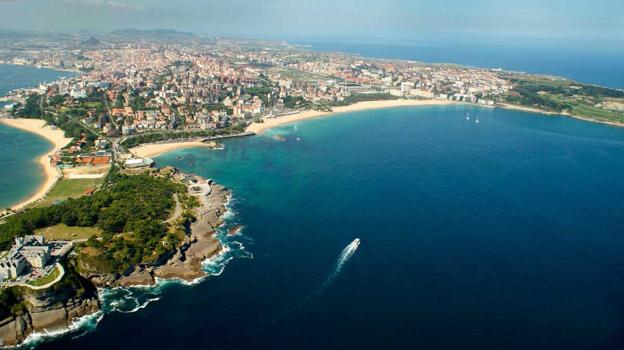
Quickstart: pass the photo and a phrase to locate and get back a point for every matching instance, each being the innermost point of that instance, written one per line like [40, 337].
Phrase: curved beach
[269, 123]
[51, 173]
[155, 149]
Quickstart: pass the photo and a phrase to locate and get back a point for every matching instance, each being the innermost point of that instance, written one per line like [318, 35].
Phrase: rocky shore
[200, 244]
[76, 296]
[48, 310]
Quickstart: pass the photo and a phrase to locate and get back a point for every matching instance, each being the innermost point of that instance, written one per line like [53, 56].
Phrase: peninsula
[129, 223]
[142, 224]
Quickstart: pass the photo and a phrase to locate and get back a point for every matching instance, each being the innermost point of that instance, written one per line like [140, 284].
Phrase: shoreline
[563, 114]
[51, 173]
[30, 65]
[259, 128]
[149, 150]
[270, 123]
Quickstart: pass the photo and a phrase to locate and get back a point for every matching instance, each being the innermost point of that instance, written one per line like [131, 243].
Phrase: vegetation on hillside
[355, 98]
[559, 95]
[129, 211]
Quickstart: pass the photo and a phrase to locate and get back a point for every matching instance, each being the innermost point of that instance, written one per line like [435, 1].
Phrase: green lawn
[598, 113]
[46, 279]
[66, 233]
[69, 188]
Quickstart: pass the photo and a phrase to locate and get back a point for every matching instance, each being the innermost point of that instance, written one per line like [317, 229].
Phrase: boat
[179, 158]
[356, 242]
[477, 120]
[467, 116]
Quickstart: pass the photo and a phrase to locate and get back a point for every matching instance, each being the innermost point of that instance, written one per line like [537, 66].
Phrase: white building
[27, 251]
[135, 163]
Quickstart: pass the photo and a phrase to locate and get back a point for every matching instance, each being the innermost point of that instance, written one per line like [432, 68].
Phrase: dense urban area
[135, 87]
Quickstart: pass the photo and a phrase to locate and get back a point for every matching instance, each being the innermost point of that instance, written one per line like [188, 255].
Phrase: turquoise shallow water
[19, 172]
[503, 234]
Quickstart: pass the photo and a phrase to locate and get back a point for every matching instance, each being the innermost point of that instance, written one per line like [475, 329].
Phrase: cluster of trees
[63, 120]
[139, 103]
[354, 98]
[177, 135]
[32, 107]
[529, 95]
[129, 211]
[295, 101]
[541, 94]
[566, 90]
[262, 92]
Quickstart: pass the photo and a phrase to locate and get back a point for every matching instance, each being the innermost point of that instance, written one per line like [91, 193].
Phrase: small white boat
[477, 120]
[356, 242]
[467, 116]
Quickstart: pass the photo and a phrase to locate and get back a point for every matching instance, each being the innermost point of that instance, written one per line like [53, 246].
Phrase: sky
[328, 19]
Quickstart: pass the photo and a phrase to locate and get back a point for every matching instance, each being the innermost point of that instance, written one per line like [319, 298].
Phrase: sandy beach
[156, 149]
[58, 140]
[360, 106]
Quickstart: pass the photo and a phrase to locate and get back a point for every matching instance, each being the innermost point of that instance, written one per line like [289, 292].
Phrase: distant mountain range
[91, 42]
[152, 34]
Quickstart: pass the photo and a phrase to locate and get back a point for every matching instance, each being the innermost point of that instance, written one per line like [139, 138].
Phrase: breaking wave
[135, 298]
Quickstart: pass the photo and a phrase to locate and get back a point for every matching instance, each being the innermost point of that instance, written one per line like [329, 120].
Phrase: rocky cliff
[50, 309]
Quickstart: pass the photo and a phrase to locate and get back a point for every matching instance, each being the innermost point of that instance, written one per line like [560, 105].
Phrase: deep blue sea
[505, 234]
[584, 62]
[19, 173]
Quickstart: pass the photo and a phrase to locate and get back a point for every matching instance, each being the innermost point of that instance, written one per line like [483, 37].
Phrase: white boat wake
[343, 258]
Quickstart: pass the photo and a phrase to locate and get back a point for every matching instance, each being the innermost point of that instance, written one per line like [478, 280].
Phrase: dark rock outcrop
[50, 309]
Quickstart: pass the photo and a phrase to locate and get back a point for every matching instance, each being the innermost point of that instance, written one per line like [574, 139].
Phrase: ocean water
[18, 77]
[20, 174]
[582, 62]
[497, 235]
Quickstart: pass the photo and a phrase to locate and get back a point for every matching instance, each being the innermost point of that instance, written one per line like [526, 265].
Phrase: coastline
[51, 173]
[150, 150]
[564, 114]
[259, 128]
[200, 248]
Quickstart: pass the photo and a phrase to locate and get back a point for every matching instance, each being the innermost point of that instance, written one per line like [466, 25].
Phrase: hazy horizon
[597, 21]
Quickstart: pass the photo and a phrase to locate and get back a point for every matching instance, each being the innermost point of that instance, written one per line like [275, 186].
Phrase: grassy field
[598, 113]
[66, 233]
[46, 279]
[69, 188]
